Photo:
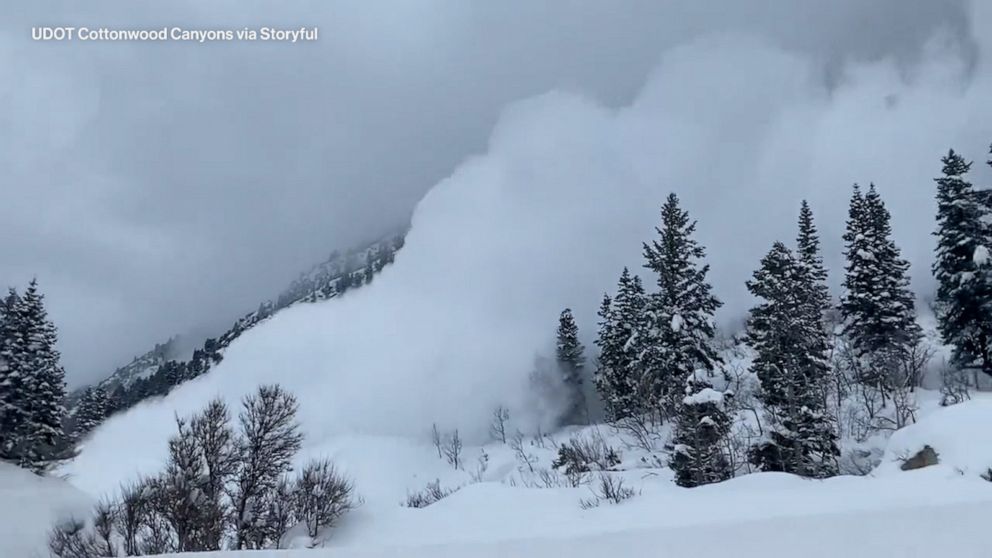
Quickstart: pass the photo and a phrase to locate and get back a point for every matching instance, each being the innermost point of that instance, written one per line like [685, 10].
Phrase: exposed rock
[923, 458]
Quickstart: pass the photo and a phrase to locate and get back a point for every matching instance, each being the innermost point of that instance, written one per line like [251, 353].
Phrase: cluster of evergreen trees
[32, 382]
[657, 358]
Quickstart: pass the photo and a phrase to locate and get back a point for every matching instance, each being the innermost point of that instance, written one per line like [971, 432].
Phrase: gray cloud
[156, 188]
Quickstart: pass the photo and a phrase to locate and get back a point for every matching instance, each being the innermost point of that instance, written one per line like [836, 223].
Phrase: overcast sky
[165, 188]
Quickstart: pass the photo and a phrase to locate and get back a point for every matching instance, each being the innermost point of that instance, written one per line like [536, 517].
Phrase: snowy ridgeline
[509, 499]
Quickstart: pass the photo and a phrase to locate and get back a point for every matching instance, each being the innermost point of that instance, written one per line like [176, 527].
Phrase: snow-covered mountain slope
[142, 366]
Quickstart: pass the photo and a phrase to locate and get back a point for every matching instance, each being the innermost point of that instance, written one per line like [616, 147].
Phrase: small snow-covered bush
[430, 494]
[609, 489]
[584, 454]
[71, 539]
[321, 495]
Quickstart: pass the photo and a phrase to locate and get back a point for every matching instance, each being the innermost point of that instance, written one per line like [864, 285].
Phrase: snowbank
[29, 506]
[933, 530]
[960, 435]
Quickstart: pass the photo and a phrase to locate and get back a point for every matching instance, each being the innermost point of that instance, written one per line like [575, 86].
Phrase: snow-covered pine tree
[13, 411]
[877, 306]
[791, 344]
[571, 361]
[808, 254]
[618, 378]
[45, 380]
[94, 406]
[701, 426]
[679, 316]
[963, 268]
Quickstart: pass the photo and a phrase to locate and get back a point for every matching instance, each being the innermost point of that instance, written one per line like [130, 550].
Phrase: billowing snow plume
[559, 203]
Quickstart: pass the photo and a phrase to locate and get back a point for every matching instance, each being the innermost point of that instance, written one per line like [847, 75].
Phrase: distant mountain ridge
[156, 372]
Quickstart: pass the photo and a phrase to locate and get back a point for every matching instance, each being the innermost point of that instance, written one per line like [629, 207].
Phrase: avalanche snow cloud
[559, 202]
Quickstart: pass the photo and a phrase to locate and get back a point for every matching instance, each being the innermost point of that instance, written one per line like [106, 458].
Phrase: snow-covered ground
[937, 530]
[500, 511]
[29, 506]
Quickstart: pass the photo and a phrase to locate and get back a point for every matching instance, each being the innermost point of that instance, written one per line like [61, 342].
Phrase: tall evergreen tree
[701, 426]
[620, 330]
[877, 306]
[571, 362]
[679, 329]
[963, 268]
[13, 410]
[31, 379]
[46, 386]
[791, 364]
[808, 254]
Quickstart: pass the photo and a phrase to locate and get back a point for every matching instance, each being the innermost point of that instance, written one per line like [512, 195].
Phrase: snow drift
[30, 505]
[561, 200]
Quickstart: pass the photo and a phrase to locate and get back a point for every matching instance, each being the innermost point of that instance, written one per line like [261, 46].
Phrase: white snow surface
[29, 506]
[888, 513]
[960, 435]
[981, 255]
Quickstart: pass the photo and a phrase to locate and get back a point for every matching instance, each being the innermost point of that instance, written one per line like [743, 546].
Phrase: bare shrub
[280, 513]
[321, 495]
[104, 519]
[954, 385]
[609, 489]
[498, 425]
[644, 429]
[583, 454]
[436, 439]
[215, 443]
[430, 494]
[132, 511]
[453, 449]
[71, 539]
[517, 445]
[270, 437]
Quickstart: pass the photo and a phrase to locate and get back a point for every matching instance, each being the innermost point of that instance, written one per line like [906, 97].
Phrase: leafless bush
[280, 513]
[436, 439]
[270, 437]
[954, 385]
[644, 429]
[103, 526]
[132, 511]
[553, 479]
[430, 494]
[453, 449]
[321, 495]
[71, 539]
[517, 445]
[609, 489]
[584, 453]
[215, 443]
[498, 425]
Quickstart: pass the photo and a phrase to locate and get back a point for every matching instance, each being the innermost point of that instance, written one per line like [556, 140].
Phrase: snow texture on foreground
[938, 510]
[953, 531]
[29, 506]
